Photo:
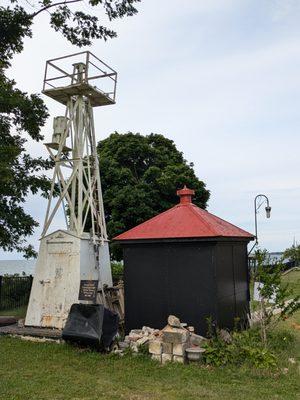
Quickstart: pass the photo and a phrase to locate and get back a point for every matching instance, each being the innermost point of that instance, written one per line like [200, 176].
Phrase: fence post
[31, 280]
[0, 291]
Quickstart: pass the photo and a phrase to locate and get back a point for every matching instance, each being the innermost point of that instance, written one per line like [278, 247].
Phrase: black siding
[232, 283]
[163, 279]
[192, 280]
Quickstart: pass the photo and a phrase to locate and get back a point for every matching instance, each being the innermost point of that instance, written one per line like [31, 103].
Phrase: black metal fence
[14, 291]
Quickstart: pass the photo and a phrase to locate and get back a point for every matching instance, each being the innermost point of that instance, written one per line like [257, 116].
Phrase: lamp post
[263, 198]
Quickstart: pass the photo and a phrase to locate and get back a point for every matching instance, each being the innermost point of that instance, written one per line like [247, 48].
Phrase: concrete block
[167, 348]
[155, 347]
[175, 335]
[136, 332]
[166, 358]
[196, 340]
[179, 359]
[134, 347]
[174, 321]
[142, 341]
[156, 357]
[147, 330]
[179, 349]
[133, 337]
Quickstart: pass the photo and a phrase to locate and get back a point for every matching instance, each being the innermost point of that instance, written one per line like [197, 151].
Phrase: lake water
[11, 267]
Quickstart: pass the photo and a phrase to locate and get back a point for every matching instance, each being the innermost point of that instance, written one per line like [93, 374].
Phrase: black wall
[232, 283]
[192, 280]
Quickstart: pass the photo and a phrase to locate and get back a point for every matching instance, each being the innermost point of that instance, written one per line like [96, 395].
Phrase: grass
[19, 312]
[50, 371]
[293, 280]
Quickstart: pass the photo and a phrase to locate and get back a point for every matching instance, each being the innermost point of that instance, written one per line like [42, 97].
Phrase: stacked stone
[171, 345]
[168, 344]
[137, 338]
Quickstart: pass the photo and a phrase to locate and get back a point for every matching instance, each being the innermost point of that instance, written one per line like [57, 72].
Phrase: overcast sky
[220, 78]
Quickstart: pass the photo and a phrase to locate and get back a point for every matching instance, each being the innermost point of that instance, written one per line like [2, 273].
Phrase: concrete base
[16, 330]
[64, 260]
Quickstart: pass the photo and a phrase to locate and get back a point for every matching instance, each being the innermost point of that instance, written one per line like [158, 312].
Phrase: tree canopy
[22, 115]
[140, 176]
[293, 254]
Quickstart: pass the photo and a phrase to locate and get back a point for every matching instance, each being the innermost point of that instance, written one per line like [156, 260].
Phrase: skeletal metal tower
[80, 82]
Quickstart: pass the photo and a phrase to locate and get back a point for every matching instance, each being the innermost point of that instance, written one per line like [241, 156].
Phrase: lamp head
[268, 211]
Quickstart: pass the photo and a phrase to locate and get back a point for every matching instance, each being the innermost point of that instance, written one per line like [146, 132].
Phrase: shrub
[244, 348]
[274, 294]
[14, 291]
[117, 271]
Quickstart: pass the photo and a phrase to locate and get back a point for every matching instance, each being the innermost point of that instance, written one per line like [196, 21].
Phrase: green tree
[277, 300]
[293, 254]
[23, 115]
[140, 176]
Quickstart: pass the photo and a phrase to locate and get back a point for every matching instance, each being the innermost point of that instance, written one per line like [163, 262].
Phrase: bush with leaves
[277, 301]
[246, 348]
[117, 270]
[293, 254]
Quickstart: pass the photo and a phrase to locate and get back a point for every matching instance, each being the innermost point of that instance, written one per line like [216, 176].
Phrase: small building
[187, 262]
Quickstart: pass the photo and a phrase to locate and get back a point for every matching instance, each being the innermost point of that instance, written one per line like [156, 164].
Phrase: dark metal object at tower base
[91, 325]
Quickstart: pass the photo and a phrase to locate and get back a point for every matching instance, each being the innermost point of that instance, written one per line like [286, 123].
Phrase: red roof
[185, 220]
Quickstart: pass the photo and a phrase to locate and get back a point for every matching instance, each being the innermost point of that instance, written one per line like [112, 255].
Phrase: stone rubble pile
[169, 344]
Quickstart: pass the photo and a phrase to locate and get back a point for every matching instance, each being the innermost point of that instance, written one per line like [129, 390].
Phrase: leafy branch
[53, 5]
[277, 300]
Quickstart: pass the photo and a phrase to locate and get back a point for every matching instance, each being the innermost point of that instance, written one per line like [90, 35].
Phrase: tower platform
[96, 96]
[80, 74]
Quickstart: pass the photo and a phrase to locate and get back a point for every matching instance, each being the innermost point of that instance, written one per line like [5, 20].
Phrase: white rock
[179, 349]
[174, 321]
[225, 336]
[166, 358]
[134, 346]
[167, 348]
[142, 341]
[156, 357]
[133, 337]
[179, 359]
[155, 347]
[196, 340]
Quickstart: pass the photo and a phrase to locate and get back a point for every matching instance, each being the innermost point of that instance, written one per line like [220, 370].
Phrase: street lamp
[263, 198]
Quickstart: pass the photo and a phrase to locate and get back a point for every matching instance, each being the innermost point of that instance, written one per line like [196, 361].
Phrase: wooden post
[0, 291]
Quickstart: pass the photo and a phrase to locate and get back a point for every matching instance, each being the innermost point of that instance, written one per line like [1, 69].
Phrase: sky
[221, 79]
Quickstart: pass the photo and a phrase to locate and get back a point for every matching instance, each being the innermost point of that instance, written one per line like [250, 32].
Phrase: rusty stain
[296, 326]
[47, 320]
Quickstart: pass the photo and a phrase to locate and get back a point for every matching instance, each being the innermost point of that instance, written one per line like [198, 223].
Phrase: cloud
[220, 78]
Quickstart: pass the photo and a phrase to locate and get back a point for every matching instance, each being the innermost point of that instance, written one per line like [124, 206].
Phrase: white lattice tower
[80, 253]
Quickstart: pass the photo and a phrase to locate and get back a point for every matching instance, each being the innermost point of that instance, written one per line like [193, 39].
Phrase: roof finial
[185, 195]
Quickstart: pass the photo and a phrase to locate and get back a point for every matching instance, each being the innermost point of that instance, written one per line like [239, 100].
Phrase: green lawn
[19, 312]
[293, 279]
[51, 371]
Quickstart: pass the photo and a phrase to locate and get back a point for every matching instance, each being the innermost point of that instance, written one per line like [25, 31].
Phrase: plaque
[88, 290]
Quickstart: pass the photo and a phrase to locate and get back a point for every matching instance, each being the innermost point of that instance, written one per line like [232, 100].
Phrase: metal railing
[14, 291]
[91, 62]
